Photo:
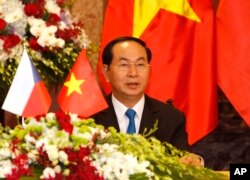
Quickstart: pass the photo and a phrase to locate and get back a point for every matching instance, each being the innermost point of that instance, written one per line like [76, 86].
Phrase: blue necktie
[130, 113]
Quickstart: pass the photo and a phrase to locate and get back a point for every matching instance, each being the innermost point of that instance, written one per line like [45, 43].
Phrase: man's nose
[132, 69]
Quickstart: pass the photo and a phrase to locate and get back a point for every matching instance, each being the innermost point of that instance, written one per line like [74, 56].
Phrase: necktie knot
[130, 113]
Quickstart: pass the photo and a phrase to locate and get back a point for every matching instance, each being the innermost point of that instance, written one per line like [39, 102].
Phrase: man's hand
[192, 159]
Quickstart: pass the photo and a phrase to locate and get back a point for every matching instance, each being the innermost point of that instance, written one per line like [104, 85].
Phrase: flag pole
[23, 122]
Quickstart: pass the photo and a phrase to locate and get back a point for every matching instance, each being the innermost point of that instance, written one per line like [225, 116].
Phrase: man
[126, 67]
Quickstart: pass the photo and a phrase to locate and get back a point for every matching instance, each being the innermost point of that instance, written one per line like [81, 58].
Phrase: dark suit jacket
[171, 122]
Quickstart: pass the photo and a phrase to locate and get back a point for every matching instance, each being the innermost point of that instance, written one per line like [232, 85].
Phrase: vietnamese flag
[233, 40]
[27, 95]
[80, 93]
[180, 34]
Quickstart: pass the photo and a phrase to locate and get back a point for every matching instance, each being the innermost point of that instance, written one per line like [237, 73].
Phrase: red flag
[233, 39]
[27, 95]
[180, 35]
[80, 93]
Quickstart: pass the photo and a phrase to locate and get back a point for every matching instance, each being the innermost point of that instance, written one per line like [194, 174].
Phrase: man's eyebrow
[123, 58]
[126, 59]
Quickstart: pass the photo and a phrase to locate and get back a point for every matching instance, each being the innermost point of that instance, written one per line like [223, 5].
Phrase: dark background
[229, 142]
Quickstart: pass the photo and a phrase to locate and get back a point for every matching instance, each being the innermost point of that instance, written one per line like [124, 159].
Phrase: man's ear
[105, 69]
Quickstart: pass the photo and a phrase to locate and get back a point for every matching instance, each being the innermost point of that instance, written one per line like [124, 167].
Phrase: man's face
[129, 70]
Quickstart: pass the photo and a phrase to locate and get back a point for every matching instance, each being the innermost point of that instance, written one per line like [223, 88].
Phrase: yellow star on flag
[145, 10]
[74, 85]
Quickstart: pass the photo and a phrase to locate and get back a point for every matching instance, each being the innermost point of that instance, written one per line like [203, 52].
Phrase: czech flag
[27, 95]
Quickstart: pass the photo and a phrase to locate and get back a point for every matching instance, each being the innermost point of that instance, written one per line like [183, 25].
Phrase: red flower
[53, 19]
[14, 144]
[41, 2]
[77, 156]
[84, 171]
[35, 10]
[10, 41]
[83, 152]
[67, 34]
[64, 121]
[34, 45]
[80, 167]
[44, 159]
[60, 2]
[3, 24]
[21, 162]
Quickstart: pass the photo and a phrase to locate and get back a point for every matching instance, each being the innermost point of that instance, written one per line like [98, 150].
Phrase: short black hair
[107, 54]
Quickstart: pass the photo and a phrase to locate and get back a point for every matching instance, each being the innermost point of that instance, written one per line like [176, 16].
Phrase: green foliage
[163, 157]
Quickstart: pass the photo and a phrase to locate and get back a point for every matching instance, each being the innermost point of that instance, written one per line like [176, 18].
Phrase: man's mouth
[132, 84]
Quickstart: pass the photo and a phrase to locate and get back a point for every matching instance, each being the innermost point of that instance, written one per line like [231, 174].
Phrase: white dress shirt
[123, 120]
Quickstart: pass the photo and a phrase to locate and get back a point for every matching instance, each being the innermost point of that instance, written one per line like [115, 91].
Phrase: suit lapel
[148, 116]
[148, 120]
[108, 116]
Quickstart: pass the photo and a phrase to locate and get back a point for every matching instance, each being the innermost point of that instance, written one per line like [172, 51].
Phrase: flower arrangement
[45, 27]
[61, 146]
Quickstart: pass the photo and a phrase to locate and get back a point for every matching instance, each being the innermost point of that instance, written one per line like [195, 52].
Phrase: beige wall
[90, 13]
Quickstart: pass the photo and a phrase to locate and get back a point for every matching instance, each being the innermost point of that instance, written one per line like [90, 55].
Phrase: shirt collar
[120, 108]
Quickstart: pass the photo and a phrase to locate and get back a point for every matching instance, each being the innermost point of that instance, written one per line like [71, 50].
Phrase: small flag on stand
[80, 93]
[27, 95]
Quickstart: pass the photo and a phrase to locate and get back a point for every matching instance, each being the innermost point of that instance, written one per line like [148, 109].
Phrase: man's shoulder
[159, 106]
[155, 102]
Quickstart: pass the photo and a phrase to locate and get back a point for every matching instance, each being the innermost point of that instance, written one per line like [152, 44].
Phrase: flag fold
[233, 64]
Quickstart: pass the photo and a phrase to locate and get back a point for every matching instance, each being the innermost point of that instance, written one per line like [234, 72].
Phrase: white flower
[12, 12]
[14, 52]
[42, 142]
[74, 117]
[3, 54]
[33, 155]
[66, 172]
[67, 19]
[63, 157]
[5, 168]
[62, 25]
[52, 152]
[57, 169]
[36, 26]
[30, 139]
[48, 38]
[14, 16]
[5, 153]
[82, 39]
[110, 163]
[48, 173]
[50, 116]
[49, 31]
[52, 7]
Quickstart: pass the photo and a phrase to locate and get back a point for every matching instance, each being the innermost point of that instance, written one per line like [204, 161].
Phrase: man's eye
[124, 65]
[140, 65]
